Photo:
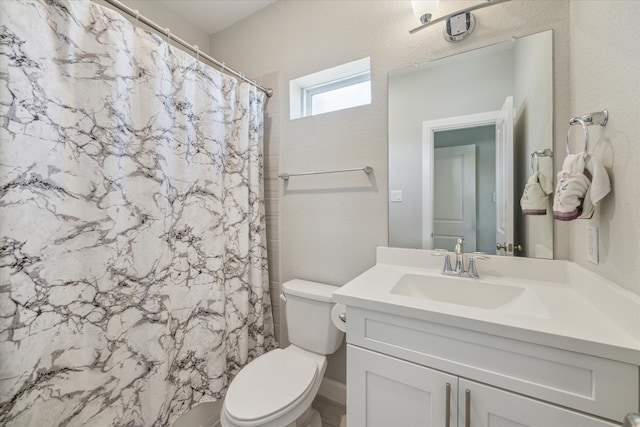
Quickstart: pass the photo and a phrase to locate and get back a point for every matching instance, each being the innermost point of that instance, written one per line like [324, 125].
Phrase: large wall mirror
[466, 133]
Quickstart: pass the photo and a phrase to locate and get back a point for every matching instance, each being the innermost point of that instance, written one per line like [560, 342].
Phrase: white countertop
[581, 311]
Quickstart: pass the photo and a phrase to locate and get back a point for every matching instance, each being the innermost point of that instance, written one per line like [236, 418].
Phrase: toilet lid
[269, 384]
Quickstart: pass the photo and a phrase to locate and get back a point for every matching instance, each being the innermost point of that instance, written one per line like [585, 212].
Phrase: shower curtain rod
[165, 31]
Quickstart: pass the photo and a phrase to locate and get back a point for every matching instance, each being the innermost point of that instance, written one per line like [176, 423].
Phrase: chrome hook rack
[598, 118]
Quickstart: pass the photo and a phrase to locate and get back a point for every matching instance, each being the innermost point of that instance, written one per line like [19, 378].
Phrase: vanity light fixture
[458, 25]
[424, 9]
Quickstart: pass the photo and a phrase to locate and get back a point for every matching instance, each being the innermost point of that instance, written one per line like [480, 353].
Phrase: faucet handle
[446, 269]
[472, 271]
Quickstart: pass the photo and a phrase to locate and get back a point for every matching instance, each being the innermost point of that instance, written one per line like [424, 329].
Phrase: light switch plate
[396, 195]
[592, 244]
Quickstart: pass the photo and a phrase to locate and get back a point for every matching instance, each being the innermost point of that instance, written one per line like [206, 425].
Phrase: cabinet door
[383, 391]
[490, 407]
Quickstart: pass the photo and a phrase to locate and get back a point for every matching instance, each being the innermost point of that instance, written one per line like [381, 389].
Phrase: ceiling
[211, 16]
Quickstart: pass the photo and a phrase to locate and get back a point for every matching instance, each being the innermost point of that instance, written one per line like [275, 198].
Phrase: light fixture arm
[446, 17]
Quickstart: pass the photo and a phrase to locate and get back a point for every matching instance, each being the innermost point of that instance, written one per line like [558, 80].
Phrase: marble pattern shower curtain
[133, 274]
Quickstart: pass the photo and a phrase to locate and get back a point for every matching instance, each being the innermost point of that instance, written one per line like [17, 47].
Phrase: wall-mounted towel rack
[366, 169]
[535, 155]
[597, 118]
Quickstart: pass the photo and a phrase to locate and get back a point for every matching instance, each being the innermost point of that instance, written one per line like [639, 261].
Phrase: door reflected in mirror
[461, 133]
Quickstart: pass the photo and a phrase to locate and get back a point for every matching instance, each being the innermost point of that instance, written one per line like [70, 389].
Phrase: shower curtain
[133, 270]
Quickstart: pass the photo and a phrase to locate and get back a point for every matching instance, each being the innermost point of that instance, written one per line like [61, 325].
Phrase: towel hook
[585, 132]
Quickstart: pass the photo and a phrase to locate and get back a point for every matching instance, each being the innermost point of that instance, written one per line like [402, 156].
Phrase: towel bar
[366, 169]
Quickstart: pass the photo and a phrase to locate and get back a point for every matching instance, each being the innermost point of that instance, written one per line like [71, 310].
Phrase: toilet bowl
[277, 388]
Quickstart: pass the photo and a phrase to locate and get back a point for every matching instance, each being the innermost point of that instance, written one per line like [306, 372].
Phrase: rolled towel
[534, 199]
[546, 182]
[568, 202]
[576, 193]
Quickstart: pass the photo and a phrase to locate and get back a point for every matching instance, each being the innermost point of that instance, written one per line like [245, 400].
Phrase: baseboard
[333, 390]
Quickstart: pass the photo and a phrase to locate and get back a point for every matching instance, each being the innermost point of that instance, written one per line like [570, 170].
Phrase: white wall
[166, 18]
[605, 73]
[330, 225]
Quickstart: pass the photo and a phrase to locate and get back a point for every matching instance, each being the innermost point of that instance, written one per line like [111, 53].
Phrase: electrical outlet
[592, 244]
[396, 196]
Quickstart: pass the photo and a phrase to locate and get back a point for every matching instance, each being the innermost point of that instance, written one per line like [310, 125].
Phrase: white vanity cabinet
[384, 391]
[404, 372]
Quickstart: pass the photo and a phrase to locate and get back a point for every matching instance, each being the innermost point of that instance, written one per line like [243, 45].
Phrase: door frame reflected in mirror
[429, 130]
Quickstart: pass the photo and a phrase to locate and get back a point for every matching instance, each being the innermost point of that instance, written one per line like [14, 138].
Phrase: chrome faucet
[459, 251]
[459, 270]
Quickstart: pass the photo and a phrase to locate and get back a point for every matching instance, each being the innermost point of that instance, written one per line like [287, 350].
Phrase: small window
[337, 88]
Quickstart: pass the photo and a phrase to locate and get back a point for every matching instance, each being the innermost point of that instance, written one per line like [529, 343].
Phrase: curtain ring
[168, 35]
[137, 16]
[197, 53]
[585, 132]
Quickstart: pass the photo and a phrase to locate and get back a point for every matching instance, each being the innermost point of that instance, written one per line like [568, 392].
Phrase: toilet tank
[308, 309]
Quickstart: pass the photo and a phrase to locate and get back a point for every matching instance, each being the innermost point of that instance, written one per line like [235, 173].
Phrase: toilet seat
[294, 374]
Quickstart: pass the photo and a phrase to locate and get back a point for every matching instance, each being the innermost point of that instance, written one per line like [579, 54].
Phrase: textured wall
[605, 73]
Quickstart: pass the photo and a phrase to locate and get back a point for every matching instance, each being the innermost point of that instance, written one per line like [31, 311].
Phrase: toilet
[277, 388]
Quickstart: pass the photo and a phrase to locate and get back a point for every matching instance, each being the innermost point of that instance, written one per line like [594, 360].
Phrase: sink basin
[456, 290]
[469, 292]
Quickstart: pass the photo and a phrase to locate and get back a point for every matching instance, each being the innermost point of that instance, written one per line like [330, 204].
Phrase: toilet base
[311, 418]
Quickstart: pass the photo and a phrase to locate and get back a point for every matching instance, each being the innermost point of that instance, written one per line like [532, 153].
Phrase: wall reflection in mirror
[461, 133]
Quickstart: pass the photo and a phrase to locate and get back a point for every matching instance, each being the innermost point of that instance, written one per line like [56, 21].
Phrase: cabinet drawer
[603, 387]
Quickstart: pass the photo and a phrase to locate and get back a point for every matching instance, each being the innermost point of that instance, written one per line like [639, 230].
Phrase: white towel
[546, 182]
[600, 184]
[576, 192]
[534, 198]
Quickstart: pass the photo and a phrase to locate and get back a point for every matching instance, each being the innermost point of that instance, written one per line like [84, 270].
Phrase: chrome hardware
[472, 270]
[343, 317]
[447, 406]
[631, 420]
[467, 408]
[508, 247]
[459, 251]
[460, 270]
[446, 269]
[366, 169]
[535, 158]
[597, 118]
